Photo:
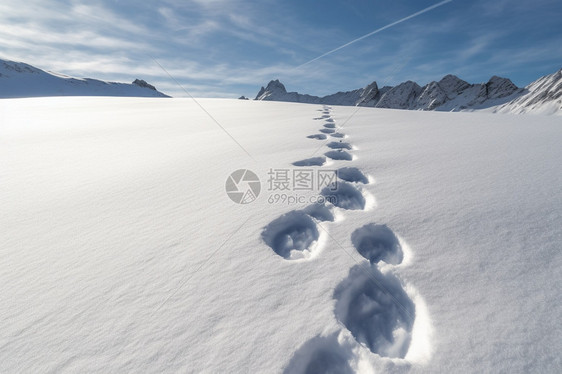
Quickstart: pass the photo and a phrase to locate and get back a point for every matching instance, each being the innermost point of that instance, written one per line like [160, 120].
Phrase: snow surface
[121, 251]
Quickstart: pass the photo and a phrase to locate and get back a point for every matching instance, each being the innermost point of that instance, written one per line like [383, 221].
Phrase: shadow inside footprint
[313, 161]
[293, 231]
[339, 145]
[376, 310]
[345, 196]
[337, 135]
[321, 355]
[317, 136]
[377, 243]
[327, 131]
[319, 211]
[329, 120]
[352, 174]
[339, 155]
[330, 125]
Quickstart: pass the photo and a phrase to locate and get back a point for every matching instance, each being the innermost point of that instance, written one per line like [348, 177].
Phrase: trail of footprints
[370, 303]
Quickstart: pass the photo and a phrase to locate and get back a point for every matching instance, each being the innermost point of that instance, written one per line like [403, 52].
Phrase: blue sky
[228, 48]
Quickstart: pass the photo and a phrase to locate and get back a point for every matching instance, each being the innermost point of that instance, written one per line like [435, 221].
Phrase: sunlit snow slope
[20, 80]
[121, 251]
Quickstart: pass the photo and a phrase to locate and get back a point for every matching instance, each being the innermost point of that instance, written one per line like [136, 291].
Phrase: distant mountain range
[18, 79]
[451, 93]
[544, 96]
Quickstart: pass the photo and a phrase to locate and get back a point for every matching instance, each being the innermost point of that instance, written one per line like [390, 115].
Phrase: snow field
[122, 252]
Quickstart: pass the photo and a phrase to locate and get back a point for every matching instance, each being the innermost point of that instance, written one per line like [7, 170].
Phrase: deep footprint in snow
[376, 310]
[320, 212]
[339, 145]
[292, 233]
[318, 136]
[344, 196]
[329, 120]
[351, 174]
[327, 131]
[337, 135]
[377, 243]
[330, 125]
[339, 155]
[321, 355]
[313, 161]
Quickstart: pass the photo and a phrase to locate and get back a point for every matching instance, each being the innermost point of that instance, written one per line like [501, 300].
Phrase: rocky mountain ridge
[448, 94]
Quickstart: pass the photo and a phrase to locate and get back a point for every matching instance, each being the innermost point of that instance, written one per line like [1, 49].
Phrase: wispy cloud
[232, 47]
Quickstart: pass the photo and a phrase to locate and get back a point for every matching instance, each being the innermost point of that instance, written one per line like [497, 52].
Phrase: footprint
[337, 135]
[330, 125]
[352, 174]
[321, 355]
[344, 196]
[329, 120]
[327, 131]
[376, 310]
[325, 116]
[293, 235]
[313, 161]
[318, 136]
[339, 155]
[320, 212]
[377, 243]
[338, 145]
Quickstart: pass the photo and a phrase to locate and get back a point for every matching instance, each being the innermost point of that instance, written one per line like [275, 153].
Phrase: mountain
[402, 96]
[449, 94]
[542, 96]
[275, 91]
[18, 79]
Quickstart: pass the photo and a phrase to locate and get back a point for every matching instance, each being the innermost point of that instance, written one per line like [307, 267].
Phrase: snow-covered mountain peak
[370, 95]
[448, 94]
[452, 85]
[273, 90]
[275, 85]
[432, 96]
[11, 68]
[18, 79]
[498, 87]
[143, 83]
[542, 96]
[401, 96]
